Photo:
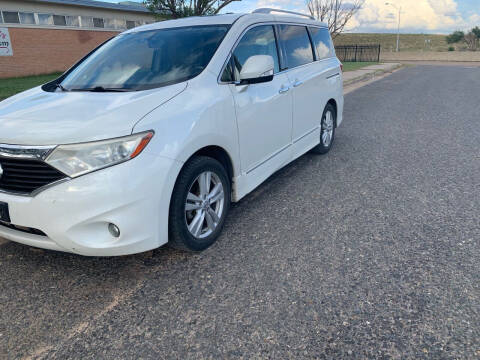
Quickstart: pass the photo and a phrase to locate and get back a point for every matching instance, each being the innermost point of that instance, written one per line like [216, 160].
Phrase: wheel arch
[220, 154]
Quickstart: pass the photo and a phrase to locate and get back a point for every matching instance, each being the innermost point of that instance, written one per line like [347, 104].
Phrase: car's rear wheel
[327, 130]
[200, 202]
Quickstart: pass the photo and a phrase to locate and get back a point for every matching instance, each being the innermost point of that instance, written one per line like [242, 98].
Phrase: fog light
[114, 230]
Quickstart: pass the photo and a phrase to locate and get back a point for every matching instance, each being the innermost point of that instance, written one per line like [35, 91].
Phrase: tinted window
[296, 45]
[59, 20]
[98, 22]
[11, 17]
[257, 41]
[322, 42]
[148, 59]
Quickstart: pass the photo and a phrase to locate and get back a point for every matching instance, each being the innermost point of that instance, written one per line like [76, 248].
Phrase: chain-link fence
[355, 53]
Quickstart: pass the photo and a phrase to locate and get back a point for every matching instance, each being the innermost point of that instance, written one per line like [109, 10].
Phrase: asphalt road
[372, 251]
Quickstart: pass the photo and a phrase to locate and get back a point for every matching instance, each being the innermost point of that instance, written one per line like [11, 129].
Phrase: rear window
[323, 42]
[297, 49]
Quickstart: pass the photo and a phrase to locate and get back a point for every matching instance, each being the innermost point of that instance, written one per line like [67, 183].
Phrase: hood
[37, 117]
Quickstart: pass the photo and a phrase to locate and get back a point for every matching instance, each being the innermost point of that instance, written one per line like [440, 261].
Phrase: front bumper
[75, 214]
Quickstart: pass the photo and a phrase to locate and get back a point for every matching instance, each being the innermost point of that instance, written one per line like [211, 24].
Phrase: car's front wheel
[200, 202]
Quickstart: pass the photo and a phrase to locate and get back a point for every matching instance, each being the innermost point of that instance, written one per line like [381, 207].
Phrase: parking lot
[370, 251]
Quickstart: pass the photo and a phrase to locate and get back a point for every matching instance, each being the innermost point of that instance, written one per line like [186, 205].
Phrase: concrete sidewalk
[368, 72]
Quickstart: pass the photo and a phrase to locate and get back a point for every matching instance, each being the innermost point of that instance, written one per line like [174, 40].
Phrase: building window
[130, 24]
[87, 21]
[72, 21]
[119, 24]
[27, 18]
[109, 23]
[1, 18]
[98, 23]
[45, 19]
[59, 20]
[11, 17]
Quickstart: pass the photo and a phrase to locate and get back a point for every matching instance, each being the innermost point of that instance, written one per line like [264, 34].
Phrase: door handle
[298, 83]
[283, 89]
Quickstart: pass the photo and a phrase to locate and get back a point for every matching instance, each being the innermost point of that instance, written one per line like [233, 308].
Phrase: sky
[417, 16]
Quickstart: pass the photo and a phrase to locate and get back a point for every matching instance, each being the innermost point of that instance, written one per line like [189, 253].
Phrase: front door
[264, 111]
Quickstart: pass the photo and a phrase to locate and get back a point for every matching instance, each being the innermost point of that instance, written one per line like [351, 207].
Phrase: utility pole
[399, 18]
[335, 16]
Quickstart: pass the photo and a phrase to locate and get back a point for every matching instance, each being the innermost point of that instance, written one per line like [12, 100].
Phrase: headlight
[78, 159]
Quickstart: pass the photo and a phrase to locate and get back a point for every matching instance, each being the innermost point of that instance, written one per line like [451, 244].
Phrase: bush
[451, 48]
[456, 37]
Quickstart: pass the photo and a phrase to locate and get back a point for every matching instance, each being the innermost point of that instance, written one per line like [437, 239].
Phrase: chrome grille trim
[25, 152]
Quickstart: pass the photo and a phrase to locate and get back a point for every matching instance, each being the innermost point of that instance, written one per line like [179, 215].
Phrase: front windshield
[147, 59]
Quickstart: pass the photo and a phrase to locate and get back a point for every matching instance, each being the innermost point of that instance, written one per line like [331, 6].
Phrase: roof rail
[270, 10]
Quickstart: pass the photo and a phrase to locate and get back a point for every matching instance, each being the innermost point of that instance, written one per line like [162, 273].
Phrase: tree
[336, 13]
[472, 40]
[476, 31]
[455, 37]
[183, 8]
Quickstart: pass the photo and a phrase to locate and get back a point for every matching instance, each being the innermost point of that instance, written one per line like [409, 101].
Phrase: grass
[351, 66]
[12, 86]
[408, 42]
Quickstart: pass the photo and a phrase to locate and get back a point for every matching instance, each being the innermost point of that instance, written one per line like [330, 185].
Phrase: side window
[259, 40]
[296, 45]
[322, 42]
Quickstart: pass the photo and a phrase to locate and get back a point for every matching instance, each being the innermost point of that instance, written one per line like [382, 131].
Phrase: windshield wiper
[60, 86]
[102, 89]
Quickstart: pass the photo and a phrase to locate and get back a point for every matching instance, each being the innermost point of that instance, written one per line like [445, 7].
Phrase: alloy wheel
[327, 129]
[204, 205]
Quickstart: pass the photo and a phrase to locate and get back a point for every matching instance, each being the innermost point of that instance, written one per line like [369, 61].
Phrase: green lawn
[351, 66]
[12, 86]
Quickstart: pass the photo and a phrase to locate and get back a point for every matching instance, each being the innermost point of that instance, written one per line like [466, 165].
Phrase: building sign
[5, 43]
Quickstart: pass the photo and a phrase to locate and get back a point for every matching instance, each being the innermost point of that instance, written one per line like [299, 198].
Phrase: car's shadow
[12, 252]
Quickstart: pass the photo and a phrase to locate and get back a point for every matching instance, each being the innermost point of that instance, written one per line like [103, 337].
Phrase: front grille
[26, 175]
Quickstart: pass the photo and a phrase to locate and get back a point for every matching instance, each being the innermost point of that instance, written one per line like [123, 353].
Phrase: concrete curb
[369, 75]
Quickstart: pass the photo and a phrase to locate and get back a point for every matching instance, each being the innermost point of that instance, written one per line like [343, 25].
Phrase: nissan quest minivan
[151, 136]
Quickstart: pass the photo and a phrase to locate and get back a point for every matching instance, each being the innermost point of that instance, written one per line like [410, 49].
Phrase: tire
[328, 124]
[198, 227]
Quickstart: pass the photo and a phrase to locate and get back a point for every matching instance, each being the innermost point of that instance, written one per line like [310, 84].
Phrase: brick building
[51, 35]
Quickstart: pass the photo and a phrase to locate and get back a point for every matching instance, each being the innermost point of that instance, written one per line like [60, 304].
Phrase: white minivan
[148, 138]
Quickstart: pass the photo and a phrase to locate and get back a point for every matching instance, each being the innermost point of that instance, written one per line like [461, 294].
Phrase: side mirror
[257, 69]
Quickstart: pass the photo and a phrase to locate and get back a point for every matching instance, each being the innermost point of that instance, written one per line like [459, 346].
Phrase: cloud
[432, 16]
[429, 15]
[417, 15]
